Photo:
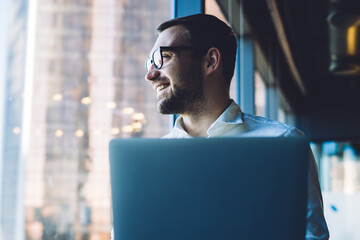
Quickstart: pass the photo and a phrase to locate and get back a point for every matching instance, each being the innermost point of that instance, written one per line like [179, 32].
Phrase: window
[87, 86]
[270, 101]
[339, 167]
[260, 95]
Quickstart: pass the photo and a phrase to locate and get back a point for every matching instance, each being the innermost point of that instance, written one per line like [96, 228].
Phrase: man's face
[179, 82]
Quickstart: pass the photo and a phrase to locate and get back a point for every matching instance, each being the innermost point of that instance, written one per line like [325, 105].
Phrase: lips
[159, 87]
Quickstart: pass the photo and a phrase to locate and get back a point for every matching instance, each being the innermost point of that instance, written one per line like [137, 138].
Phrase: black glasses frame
[150, 62]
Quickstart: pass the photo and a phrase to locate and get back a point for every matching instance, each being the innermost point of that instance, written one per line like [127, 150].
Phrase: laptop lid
[218, 188]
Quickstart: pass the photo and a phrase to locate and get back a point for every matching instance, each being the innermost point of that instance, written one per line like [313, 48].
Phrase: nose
[152, 74]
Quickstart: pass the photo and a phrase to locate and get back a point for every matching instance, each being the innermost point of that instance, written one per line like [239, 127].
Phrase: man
[190, 67]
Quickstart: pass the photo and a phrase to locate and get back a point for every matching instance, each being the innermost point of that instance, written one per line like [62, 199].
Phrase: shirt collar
[178, 129]
[230, 118]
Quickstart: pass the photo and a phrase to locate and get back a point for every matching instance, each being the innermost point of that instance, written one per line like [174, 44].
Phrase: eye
[166, 55]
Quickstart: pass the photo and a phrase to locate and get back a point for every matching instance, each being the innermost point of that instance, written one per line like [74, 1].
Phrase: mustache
[160, 80]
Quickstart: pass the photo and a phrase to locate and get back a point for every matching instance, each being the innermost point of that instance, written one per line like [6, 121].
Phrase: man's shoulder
[261, 126]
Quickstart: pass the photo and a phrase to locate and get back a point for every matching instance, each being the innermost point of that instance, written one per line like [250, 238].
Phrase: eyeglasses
[157, 56]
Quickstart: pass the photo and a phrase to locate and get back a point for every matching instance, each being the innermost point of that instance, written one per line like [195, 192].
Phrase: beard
[184, 95]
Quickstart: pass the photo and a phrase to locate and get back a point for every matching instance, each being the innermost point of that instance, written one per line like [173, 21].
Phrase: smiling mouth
[161, 87]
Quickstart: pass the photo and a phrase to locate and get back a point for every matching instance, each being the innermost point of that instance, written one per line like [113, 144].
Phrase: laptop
[217, 188]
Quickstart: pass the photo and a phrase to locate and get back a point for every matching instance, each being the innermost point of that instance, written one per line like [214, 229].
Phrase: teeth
[161, 87]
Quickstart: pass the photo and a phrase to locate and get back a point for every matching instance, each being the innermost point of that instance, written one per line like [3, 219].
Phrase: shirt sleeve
[316, 228]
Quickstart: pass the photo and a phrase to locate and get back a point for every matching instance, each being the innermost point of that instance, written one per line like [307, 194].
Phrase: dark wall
[336, 125]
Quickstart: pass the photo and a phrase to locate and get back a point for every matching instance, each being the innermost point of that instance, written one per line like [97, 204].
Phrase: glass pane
[157, 58]
[339, 167]
[260, 95]
[86, 86]
[281, 115]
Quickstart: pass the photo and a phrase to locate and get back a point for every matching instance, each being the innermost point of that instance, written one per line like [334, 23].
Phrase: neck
[197, 123]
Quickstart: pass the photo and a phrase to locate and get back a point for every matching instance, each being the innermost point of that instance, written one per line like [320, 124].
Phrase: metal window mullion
[188, 7]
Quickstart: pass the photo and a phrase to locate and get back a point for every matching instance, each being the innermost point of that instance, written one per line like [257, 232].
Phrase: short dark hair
[207, 31]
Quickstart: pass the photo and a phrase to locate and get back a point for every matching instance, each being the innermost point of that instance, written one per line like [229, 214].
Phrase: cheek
[174, 75]
[183, 75]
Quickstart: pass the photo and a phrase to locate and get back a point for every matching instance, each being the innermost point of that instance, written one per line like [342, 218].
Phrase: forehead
[172, 36]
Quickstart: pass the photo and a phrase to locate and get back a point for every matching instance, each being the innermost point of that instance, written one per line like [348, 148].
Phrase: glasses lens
[157, 58]
[148, 64]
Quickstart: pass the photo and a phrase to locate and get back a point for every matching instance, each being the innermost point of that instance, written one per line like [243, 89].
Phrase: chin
[166, 106]
[163, 110]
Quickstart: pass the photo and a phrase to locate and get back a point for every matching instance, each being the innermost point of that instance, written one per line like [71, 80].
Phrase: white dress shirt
[233, 122]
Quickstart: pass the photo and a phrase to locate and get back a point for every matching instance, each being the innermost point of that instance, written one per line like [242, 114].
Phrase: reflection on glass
[128, 110]
[111, 105]
[59, 133]
[86, 100]
[79, 133]
[57, 97]
[16, 130]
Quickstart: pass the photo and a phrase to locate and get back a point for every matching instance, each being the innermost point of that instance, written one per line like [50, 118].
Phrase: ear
[212, 61]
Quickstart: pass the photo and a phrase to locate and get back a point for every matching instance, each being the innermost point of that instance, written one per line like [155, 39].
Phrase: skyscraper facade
[87, 87]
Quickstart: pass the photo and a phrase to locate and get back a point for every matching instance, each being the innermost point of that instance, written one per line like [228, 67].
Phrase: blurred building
[86, 87]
